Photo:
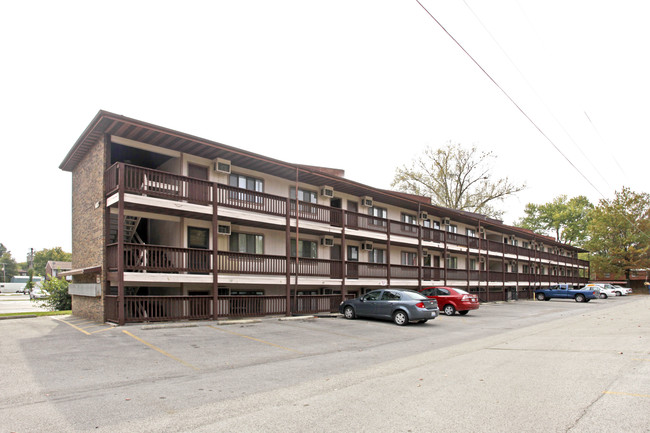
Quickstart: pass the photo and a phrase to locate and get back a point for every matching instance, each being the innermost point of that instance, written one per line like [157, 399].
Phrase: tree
[9, 264]
[566, 219]
[456, 178]
[619, 233]
[58, 298]
[43, 256]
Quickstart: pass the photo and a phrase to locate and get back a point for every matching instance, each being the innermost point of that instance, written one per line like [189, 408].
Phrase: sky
[362, 86]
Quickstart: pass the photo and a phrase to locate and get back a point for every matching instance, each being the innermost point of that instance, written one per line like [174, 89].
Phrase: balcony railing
[160, 184]
[166, 308]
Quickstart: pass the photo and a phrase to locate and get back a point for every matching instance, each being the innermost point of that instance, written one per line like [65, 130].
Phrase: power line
[530, 86]
[524, 113]
[511, 100]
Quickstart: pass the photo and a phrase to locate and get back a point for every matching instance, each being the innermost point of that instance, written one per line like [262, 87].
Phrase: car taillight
[465, 298]
[420, 305]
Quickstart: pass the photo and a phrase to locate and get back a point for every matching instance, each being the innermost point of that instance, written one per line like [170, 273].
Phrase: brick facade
[88, 226]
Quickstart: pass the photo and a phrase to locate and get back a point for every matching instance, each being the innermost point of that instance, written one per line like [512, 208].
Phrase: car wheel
[449, 310]
[618, 293]
[540, 297]
[462, 313]
[603, 296]
[348, 312]
[400, 318]
[580, 298]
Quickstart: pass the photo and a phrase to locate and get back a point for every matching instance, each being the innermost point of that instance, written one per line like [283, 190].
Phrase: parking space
[65, 367]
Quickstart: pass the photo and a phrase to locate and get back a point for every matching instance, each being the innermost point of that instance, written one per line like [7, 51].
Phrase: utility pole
[4, 275]
[30, 259]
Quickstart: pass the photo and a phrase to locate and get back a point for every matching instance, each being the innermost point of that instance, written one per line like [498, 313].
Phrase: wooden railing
[169, 308]
[160, 184]
[162, 259]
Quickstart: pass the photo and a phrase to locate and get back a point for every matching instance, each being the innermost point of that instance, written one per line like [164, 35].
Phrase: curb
[23, 316]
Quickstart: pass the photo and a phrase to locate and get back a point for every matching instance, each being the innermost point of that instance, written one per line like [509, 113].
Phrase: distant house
[53, 268]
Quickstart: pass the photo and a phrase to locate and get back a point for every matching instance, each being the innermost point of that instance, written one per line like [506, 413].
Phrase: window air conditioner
[222, 165]
[481, 230]
[424, 215]
[446, 221]
[366, 201]
[327, 241]
[327, 191]
[366, 246]
[425, 252]
[223, 228]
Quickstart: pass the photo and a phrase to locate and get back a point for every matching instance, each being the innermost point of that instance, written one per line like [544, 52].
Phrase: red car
[451, 300]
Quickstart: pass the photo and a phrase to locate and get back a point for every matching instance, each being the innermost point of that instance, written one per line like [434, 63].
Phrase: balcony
[157, 184]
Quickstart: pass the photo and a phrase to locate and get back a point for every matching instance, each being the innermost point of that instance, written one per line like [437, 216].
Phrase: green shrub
[58, 298]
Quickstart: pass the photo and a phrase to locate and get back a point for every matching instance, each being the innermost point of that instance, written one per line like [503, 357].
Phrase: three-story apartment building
[169, 226]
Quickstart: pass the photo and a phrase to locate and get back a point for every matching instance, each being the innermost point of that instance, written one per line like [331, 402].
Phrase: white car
[621, 291]
[606, 290]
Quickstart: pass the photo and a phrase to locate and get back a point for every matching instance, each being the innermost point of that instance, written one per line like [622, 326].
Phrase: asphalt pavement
[525, 366]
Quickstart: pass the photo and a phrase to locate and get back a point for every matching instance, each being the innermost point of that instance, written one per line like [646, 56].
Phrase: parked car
[566, 291]
[622, 291]
[399, 305]
[605, 290]
[451, 300]
[38, 292]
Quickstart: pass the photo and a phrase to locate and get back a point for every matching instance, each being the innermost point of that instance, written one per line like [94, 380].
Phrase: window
[372, 296]
[306, 249]
[442, 292]
[248, 183]
[471, 233]
[452, 229]
[304, 195]
[436, 225]
[390, 296]
[426, 223]
[409, 259]
[409, 219]
[472, 264]
[376, 256]
[525, 244]
[378, 212]
[198, 238]
[246, 243]
[452, 262]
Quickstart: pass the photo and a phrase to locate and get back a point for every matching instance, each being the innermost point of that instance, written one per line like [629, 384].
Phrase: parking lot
[518, 366]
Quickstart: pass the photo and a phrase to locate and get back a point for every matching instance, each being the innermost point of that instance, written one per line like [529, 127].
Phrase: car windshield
[409, 294]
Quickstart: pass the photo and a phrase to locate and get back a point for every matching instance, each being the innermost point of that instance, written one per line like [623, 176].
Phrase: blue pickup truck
[566, 291]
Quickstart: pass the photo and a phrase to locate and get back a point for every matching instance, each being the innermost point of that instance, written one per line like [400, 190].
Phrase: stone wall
[91, 308]
[88, 227]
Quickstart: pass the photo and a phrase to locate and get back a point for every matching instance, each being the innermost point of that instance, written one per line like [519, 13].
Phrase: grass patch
[38, 313]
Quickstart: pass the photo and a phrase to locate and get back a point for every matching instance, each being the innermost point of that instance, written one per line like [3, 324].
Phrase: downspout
[295, 290]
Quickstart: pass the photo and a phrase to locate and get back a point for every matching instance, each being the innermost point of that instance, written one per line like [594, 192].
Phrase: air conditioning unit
[424, 215]
[446, 221]
[425, 252]
[512, 237]
[223, 228]
[366, 245]
[366, 201]
[327, 241]
[327, 191]
[481, 230]
[222, 165]
[481, 259]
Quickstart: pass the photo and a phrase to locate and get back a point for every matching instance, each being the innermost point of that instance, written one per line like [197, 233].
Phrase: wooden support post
[121, 320]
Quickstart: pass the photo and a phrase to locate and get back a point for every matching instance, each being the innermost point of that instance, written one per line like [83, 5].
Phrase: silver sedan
[399, 305]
